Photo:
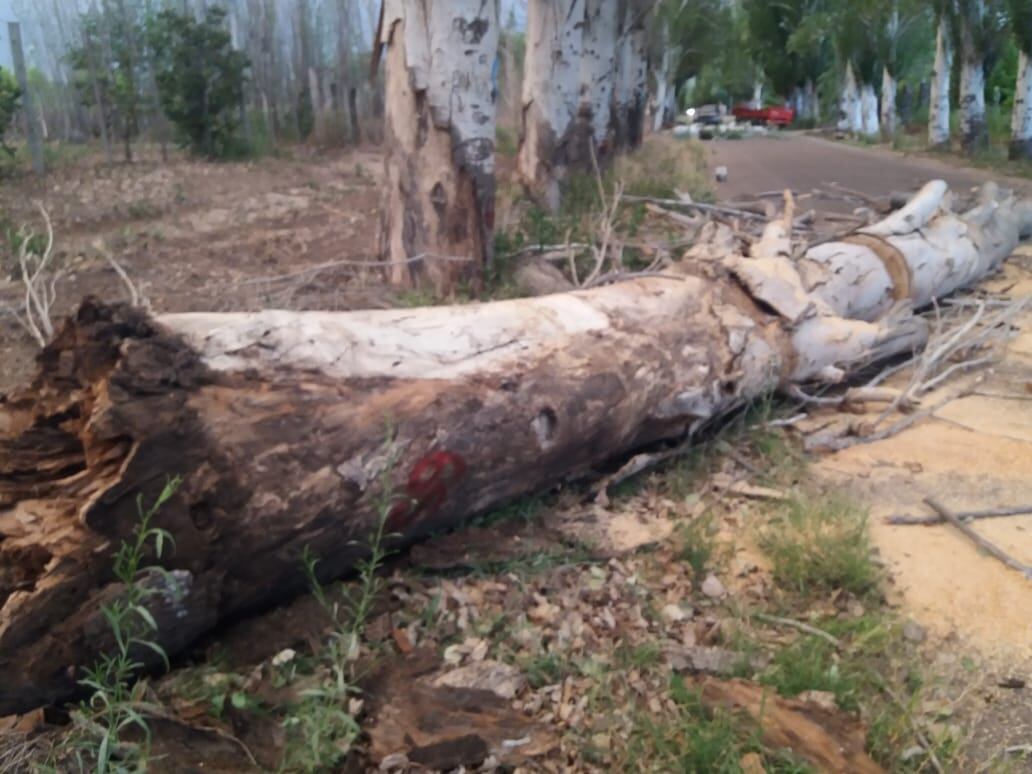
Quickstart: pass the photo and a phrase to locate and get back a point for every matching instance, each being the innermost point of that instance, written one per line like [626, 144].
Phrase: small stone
[912, 752]
[285, 656]
[823, 699]
[674, 613]
[713, 588]
[914, 632]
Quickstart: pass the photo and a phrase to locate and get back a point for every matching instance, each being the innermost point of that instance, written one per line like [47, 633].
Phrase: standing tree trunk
[757, 95]
[888, 105]
[98, 96]
[939, 102]
[664, 82]
[851, 110]
[631, 88]
[811, 101]
[316, 100]
[551, 89]
[597, 66]
[974, 132]
[1021, 119]
[438, 204]
[288, 427]
[28, 102]
[356, 125]
[869, 110]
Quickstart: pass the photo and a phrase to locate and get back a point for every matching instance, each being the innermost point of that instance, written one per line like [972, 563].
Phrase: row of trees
[132, 68]
[865, 48]
[95, 72]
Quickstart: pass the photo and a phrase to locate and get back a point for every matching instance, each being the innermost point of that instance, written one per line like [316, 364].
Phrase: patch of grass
[819, 544]
[102, 722]
[810, 664]
[322, 728]
[697, 544]
[696, 741]
[546, 669]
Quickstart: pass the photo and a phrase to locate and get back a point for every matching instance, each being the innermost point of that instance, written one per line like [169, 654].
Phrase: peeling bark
[438, 202]
[850, 107]
[869, 110]
[888, 105]
[974, 132]
[939, 103]
[284, 425]
[1021, 118]
[631, 89]
[551, 91]
[664, 84]
[597, 65]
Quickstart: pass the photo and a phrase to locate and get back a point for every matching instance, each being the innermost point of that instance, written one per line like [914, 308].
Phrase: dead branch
[990, 548]
[992, 513]
[134, 294]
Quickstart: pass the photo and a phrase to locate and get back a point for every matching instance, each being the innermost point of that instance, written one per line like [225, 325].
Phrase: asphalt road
[803, 163]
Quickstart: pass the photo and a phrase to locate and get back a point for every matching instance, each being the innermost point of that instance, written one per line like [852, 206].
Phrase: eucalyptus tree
[438, 202]
[1021, 119]
[978, 32]
[900, 33]
[939, 103]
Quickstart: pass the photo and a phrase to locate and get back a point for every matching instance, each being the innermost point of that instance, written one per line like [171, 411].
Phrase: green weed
[697, 544]
[697, 741]
[820, 544]
[322, 729]
[114, 707]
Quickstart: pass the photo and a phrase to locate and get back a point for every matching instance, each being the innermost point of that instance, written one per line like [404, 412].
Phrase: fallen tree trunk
[285, 426]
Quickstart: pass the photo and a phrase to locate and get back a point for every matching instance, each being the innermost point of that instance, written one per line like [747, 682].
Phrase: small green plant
[697, 544]
[200, 80]
[113, 708]
[820, 544]
[322, 728]
[698, 741]
[10, 100]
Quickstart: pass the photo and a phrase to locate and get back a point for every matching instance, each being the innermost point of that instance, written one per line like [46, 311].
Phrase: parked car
[774, 116]
[708, 115]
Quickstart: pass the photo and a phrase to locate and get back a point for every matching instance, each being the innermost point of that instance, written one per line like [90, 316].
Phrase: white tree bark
[939, 104]
[551, 90]
[974, 132]
[850, 108]
[438, 208]
[869, 110]
[277, 421]
[757, 95]
[631, 89]
[811, 101]
[664, 83]
[598, 63]
[888, 104]
[1021, 118]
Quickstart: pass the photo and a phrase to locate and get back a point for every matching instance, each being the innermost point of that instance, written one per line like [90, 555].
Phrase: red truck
[774, 116]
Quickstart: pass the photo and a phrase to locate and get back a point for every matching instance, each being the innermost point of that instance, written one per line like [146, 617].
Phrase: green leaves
[10, 99]
[200, 79]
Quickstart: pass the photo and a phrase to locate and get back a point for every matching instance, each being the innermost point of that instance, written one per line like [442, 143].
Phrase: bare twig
[800, 626]
[991, 513]
[922, 738]
[990, 548]
[134, 294]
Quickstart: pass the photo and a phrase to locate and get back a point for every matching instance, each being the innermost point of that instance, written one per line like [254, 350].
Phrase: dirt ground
[195, 236]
